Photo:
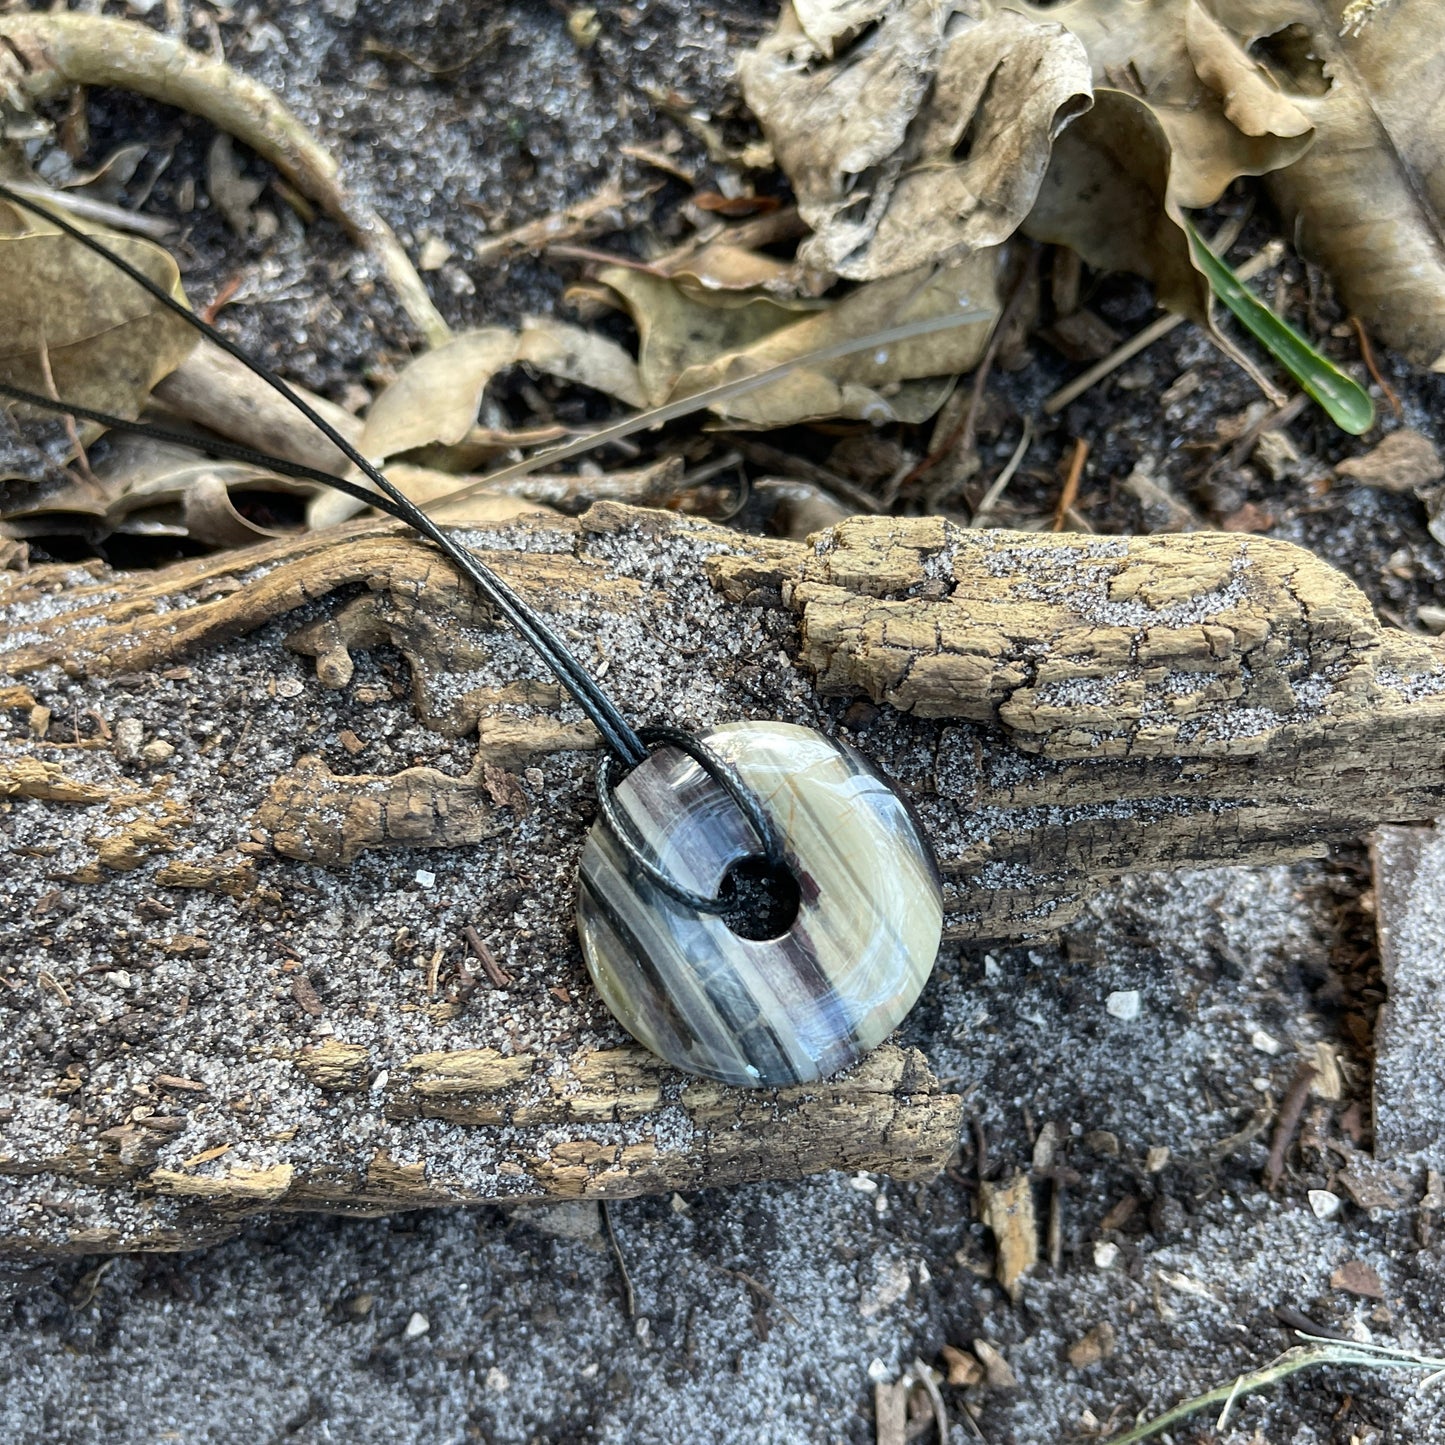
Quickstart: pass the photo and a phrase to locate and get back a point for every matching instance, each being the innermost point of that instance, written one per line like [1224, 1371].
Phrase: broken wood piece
[1409, 1101]
[1060, 709]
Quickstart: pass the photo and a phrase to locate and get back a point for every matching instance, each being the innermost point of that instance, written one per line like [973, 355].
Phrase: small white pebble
[290, 687]
[991, 967]
[1325, 1204]
[924, 1273]
[1124, 1004]
[119, 977]
[589, 1370]
[497, 1379]
[426, 878]
[1106, 1254]
[1156, 1158]
[863, 1184]
[1265, 1043]
[1260, 1083]
[380, 1081]
[417, 1326]
[680, 1205]
[877, 1371]
[881, 1205]
[642, 1327]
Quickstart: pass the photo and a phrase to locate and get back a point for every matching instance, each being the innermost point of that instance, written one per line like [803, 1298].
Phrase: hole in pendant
[761, 901]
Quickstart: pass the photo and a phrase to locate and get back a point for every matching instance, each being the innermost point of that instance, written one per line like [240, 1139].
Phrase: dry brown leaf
[1358, 1278]
[689, 345]
[1366, 200]
[106, 340]
[1403, 462]
[678, 329]
[436, 398]
[923, 139]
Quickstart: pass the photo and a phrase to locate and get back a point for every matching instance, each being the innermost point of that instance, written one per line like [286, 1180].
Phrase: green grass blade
[1347, 403]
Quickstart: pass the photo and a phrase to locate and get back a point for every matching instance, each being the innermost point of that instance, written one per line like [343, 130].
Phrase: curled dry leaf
[650, 486]
[437, 397]
[107, 342]
[921, 130]
[1366, 200]
[913, 132]
[158, 489]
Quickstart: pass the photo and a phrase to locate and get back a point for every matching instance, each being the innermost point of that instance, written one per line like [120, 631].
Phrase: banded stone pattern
[787, 1010]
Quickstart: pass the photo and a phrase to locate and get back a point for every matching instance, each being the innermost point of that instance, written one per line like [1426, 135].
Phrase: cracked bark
[1060, 709]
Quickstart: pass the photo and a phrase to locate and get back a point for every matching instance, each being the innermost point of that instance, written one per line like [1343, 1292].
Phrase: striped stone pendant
[856, 925]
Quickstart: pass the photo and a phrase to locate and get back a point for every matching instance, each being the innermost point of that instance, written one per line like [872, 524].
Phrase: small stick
[763, 1292]
[1271, 421]
[922, 1378]
[990, 497]
[1367, 355]
[116, 217]
[228, 289]
[631, 1294]
[1287, 1124]
[1071, 483]
[962, 436]
[1056, 1226]
[980, 1144]
[71, 430]
[499, 976]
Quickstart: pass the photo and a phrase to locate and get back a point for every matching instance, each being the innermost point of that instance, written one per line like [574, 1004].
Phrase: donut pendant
[855, 925]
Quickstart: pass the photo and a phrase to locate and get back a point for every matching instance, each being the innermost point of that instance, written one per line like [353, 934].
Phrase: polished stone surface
[764, 1012]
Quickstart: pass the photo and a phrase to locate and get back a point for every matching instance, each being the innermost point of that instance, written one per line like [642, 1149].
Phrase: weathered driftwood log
[257, 801]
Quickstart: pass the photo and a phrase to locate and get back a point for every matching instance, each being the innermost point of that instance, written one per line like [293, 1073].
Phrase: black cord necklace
[756, 905]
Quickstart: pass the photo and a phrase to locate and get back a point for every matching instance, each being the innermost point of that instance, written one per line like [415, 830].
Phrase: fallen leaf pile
[920, 137]
[916, 131]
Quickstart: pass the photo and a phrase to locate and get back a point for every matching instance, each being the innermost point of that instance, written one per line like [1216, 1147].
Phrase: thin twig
[962, 436]
[499, 976]
[763, 1292]
[1367, 355]
[82, 461]
[1270, 421]
[89, 209]
[991, 497]
[1287, 1123]
[629, 1292]
[922, 1376]
[1071, 483]
[1266, 257]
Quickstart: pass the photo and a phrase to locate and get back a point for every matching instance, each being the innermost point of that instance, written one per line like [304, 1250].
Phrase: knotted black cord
[746, 800]
[616, 732]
